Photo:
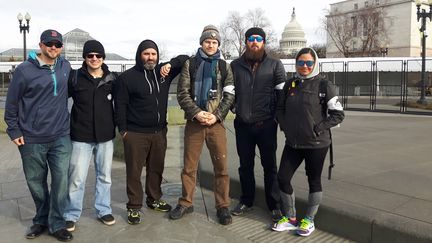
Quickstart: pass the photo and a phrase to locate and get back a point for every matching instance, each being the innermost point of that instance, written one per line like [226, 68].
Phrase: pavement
[380, 192]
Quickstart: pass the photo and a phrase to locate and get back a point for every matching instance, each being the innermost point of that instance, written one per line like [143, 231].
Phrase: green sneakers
[306, 227]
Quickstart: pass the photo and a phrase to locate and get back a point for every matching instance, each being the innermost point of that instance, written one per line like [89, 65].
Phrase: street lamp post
[23, 29]
[422, 15]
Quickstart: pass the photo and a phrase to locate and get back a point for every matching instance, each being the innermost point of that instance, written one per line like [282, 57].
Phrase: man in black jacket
[256, 77]
[141, 97]
[92, 132]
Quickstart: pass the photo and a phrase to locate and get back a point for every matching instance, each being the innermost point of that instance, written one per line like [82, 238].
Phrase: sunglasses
[56, 44]
[302, 63]
[255, 38]
[90, 56]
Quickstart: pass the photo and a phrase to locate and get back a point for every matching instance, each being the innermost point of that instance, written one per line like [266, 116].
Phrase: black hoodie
[141, 96]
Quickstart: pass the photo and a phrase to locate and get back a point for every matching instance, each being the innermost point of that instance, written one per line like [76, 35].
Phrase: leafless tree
[235, 25]
[320, 49]
[360, 33]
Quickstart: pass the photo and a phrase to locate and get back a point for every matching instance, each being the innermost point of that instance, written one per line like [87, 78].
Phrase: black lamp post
[23, 29]
[422, 15]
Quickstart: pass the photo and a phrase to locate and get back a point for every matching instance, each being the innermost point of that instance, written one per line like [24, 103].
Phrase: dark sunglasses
[302, 63]
[56, 44]
[90, 56]
[255, 38]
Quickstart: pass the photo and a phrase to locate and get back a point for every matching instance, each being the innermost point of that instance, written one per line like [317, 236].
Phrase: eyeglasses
[90, 56]
[255, 38]
[56, 44]
[301, 63]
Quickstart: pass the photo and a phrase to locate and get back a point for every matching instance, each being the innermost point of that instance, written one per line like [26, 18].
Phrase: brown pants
[144, 149]
[215, 138]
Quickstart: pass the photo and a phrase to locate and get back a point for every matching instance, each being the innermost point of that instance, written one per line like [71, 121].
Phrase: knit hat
[93, 46]
[210, 32]
[51, 35]
[255, 31]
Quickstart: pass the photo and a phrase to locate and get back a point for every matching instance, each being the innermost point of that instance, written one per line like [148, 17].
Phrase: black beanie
[255, 31]
[148, 44]
[93, 46]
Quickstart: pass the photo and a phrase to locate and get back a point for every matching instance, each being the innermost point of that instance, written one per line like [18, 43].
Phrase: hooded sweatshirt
[36, 103]
[304, 120]
[141, 95]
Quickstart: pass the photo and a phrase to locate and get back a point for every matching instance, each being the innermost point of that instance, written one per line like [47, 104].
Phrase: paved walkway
[17, 210]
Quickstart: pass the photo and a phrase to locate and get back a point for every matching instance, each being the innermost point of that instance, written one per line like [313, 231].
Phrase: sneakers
[285, 224]
[158, 205]
[107, 219]
[240, 209]
[224, 216]
[70, 226]
[179, 211]
[276, 215]
[134, 216]
[306, 227]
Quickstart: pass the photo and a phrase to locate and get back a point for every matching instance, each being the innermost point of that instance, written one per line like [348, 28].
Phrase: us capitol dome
[293, 37]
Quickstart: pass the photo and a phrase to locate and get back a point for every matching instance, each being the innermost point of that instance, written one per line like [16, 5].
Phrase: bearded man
[256, 79]
[141, 98]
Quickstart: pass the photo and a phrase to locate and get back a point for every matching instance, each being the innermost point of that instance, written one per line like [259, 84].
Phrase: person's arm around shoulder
[14, 95]
[228, 95]
[173, 67]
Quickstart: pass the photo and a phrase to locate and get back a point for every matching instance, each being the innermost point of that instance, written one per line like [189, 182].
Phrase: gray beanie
[210, 32]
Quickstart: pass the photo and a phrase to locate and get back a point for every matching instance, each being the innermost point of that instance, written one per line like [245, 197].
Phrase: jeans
[36, 159]
[79, 165]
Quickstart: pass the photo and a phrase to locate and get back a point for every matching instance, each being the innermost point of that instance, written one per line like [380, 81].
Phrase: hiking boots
[285, 224]
[158, 205]
[240, 209]
[179, 211]
[224, 216]
[134, 216]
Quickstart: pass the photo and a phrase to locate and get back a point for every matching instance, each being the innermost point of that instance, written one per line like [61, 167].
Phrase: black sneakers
[158, 205]
[179, 211]
[107, 219]
[224, 216]
[240, 209]
[134, 216]
[70, 226]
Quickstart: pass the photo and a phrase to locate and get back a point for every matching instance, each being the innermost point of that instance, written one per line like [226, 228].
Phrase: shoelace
[305, 224]
[283, 220]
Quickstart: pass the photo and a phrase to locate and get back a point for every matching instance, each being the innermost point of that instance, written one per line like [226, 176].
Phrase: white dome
[293, 36]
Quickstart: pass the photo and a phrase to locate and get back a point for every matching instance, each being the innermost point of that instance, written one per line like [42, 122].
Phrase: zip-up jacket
[92, 115]
[141, 96]
[303, 119]
[218, 106]
[36, 103]
[255, 91]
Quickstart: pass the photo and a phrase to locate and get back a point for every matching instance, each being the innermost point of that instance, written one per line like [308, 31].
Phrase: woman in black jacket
[307, 108]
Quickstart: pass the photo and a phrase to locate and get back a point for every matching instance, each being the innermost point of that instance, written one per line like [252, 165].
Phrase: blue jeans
[36, 159]
[79, 165]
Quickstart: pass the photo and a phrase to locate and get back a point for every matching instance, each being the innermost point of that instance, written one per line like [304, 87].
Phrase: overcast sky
[175, 25]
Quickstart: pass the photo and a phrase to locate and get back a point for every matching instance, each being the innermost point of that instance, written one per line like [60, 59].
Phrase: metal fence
[370, 84]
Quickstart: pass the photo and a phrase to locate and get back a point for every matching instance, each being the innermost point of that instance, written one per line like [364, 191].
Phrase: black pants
[263, 135]
[291, 160]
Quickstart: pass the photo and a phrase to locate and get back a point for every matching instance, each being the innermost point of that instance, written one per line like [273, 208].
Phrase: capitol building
[293, 37]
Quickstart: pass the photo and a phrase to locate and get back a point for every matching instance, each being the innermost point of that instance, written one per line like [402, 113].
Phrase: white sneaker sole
[306, 234]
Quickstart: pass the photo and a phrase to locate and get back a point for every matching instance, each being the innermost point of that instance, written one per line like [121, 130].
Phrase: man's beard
[255, 55]
[149, 66]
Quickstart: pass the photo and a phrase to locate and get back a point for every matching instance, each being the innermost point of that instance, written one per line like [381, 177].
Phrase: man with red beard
[256, 77]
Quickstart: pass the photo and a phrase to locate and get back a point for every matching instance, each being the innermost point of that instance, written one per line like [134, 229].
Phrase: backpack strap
[322, 96]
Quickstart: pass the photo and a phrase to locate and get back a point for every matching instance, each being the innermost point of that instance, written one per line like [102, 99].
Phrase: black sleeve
[121, 100]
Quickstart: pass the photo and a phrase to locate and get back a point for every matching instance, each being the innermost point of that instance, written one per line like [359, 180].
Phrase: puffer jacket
[218, 106]
[255, 91]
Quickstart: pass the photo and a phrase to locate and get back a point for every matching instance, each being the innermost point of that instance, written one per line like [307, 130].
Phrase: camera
[212, 94]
